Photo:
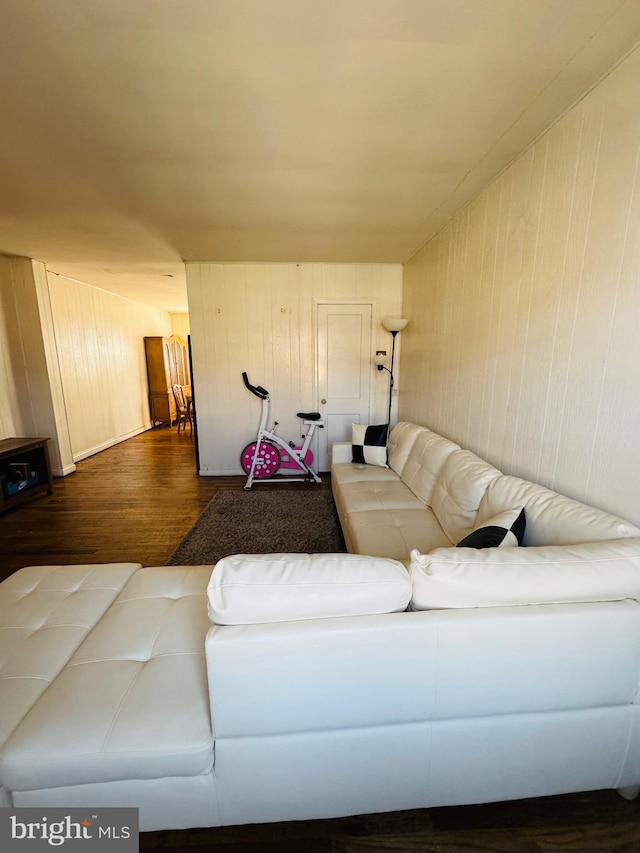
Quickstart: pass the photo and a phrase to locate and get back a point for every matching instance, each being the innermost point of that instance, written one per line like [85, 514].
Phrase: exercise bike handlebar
[258, 390]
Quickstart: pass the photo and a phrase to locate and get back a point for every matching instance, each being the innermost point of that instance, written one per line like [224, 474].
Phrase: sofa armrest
[341, 452]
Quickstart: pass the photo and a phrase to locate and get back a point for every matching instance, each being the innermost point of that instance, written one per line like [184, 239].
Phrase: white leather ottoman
[45, 613]
[127, 718]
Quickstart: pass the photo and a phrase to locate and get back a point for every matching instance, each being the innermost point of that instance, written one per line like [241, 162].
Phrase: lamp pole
[393, 353]
[393, 325]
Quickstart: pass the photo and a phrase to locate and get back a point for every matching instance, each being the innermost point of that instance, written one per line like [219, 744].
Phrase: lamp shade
[394, 324]
[379, 359]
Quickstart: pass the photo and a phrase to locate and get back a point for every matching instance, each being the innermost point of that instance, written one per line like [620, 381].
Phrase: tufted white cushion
[354, 472]
[425, 462]
[550, 574]
[252, 588]
[392, 533]
[45, 613]
[459, 490]
[401, 440]
[383, 494]
[132, 702]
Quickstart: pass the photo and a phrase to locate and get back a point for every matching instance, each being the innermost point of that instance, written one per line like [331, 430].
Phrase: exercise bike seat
[309, 416]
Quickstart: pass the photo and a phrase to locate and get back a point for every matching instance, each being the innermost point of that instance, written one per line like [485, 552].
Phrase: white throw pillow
[549, 574]
[248, 589]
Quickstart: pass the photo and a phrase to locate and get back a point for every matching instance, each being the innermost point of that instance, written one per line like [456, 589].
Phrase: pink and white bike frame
[261, 452]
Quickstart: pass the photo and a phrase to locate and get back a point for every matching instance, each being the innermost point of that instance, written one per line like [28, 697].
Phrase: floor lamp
[393, 325]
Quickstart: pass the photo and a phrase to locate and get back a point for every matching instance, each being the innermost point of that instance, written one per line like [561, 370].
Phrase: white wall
[14, 417]
[180, 325]
[261, 318]
[31, 398]
[524, 341]
[100, 342]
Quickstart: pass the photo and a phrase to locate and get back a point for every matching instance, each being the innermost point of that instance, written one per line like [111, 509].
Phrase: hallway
[130, 503]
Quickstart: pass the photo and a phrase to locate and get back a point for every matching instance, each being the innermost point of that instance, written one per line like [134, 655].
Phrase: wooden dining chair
[183, 412]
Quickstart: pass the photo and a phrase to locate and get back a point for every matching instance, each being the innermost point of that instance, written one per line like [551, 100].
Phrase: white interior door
[344, 372]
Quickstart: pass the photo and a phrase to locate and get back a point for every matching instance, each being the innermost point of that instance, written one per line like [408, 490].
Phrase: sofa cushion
[458, 491]
[253, 588]
[45, 613]
[552, 519]
[503, 530]
[401, 440]
[425, 463]
[353, 472]
[381, 494]
[393, 532]
[369, 444]
[551, 574]
[132, 702]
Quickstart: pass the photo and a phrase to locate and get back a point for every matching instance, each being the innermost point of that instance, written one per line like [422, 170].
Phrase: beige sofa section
[434, 493]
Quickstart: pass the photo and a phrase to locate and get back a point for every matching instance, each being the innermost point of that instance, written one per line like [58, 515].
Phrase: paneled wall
[31, 398]
[261, 318]
[524, 341]
[13, 420]
[102, 363]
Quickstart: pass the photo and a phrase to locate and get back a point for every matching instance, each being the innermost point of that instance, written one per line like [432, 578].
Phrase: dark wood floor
[135, 502]
[599, 822]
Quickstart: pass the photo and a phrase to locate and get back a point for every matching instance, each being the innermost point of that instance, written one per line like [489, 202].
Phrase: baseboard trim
[63, 472]
[105, 445]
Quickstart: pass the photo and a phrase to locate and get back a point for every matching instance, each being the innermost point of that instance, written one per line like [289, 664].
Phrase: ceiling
[137, 134]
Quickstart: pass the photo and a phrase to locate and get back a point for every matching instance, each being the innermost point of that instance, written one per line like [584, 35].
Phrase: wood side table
[25, 471]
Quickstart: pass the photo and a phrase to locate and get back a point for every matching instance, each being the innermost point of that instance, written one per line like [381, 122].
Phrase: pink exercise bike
[270, 453]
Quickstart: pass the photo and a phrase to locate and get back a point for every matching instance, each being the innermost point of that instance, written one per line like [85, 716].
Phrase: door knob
[323, 402]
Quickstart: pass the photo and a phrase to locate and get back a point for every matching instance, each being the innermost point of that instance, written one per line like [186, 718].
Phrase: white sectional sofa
[282, 687]
[433, 493]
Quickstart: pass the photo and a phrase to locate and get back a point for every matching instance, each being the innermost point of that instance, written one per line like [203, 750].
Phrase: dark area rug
[262, 522]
